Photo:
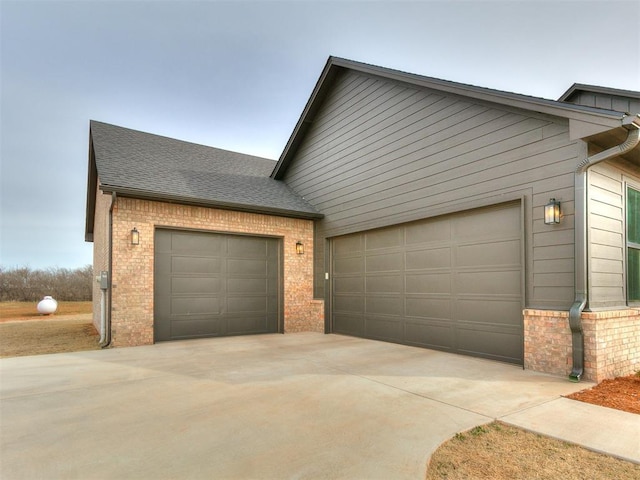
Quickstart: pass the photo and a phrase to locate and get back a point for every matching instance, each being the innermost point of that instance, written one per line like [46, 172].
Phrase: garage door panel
[489, 311]
[246, 304]
[494, 282]
[247, 247]
[384, 263]
[437, 282]
[189, 243]
[495, 253]
[487, 343]
[195, 306]
[436, 231]
[452, 283]
[388, 238]
[381, 328]
[214, 284]
[428, 307]
[243, 285]
[384, 305]
[196, 265]
[247, 325]
[347, 245]
[428, 259]
[237, 266]
[196, 327]
[349, 324]
[349, 265]
[349, 303]
[384, 284]
[195, 285]
[429, 334]
[349, 285]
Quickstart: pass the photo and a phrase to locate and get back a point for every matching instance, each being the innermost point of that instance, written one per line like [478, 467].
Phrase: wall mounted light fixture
[135, 236]
[552, 212]
[299, 247]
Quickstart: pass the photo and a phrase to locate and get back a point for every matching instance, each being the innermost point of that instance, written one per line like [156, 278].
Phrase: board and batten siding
[381, 153]
[607, 183]
[607, 101]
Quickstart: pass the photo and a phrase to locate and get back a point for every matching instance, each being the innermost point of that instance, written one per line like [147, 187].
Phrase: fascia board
[160, 197]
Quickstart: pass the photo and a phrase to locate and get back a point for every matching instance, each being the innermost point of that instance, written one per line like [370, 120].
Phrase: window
[633, 245]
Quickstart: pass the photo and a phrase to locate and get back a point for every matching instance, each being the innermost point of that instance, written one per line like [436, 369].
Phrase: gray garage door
[452, 283]
[210, 285]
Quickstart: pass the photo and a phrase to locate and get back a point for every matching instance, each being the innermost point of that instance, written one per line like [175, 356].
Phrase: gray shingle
[151, 166]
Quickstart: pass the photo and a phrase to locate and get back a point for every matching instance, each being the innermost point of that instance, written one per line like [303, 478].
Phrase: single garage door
[452, 283]
[209, 285]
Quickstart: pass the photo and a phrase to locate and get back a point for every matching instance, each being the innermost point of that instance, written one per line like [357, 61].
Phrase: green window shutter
[633, 216]
[633, 274]
[633, 245]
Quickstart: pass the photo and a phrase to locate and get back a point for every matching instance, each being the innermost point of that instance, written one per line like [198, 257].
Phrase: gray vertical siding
[381, 153]
[606, 232]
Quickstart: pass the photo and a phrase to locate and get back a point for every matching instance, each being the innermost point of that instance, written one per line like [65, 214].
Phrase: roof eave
[168, 198]
[92, 185]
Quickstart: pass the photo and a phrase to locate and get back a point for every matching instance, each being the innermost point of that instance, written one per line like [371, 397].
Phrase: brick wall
[100, 250]
[132, 304]
[611, 343]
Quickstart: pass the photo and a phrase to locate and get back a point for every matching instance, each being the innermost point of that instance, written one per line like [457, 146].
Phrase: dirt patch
[622, 393]
[23, 331]
[501, 452]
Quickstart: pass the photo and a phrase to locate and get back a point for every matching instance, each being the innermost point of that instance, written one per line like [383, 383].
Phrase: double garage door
[453, 283]
[209, 285]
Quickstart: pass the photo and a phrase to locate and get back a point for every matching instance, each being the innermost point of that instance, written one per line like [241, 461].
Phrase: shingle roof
[134, 163]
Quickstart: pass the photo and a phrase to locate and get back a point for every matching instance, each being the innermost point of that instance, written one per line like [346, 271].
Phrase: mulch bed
[621, 393]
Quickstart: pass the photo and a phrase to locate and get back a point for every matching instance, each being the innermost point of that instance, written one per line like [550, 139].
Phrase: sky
[237, 74]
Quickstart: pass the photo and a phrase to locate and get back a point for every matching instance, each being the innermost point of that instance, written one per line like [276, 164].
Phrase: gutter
[106, 334]
[581, 287]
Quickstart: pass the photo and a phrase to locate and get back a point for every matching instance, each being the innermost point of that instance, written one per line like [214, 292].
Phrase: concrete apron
[268, 406]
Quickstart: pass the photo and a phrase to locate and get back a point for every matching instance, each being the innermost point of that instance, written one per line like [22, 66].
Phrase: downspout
[581, 288]
[107, 323]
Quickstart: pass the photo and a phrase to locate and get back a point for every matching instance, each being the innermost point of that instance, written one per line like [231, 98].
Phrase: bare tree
[22, 284]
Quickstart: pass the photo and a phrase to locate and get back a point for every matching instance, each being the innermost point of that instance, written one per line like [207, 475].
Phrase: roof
[583, 120]
[142, 165]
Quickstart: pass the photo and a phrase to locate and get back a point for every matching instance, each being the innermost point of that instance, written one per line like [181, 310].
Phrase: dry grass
[23, 331]
[12, 311]
[500, 452]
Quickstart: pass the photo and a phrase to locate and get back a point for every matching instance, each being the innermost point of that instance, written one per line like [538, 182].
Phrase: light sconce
[135, 236]
[552, 212]
[299, 247]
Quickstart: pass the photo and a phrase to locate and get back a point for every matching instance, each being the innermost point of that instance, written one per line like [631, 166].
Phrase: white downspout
[581, 287]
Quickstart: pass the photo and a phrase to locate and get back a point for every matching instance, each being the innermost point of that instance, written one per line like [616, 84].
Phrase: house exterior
[419, 204]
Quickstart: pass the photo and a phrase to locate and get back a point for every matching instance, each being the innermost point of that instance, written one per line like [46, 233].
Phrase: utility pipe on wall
[106, 341]
[581, 287]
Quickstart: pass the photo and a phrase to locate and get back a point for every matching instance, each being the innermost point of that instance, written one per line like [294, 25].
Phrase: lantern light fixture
[299, 247]
[552, 212]
[135, 236]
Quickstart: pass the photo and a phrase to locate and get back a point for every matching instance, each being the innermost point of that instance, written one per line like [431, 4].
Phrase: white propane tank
[47, 306]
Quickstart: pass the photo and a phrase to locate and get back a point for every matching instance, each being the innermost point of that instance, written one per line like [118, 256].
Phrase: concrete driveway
[268, 406]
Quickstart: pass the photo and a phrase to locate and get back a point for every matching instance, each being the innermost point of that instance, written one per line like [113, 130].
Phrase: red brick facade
[611, 342]
[132, 278]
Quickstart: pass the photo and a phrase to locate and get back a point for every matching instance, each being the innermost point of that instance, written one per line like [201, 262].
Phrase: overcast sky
[236, 75]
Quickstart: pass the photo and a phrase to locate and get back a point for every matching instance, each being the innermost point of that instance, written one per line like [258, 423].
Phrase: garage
[215, 284]
[452, 283]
